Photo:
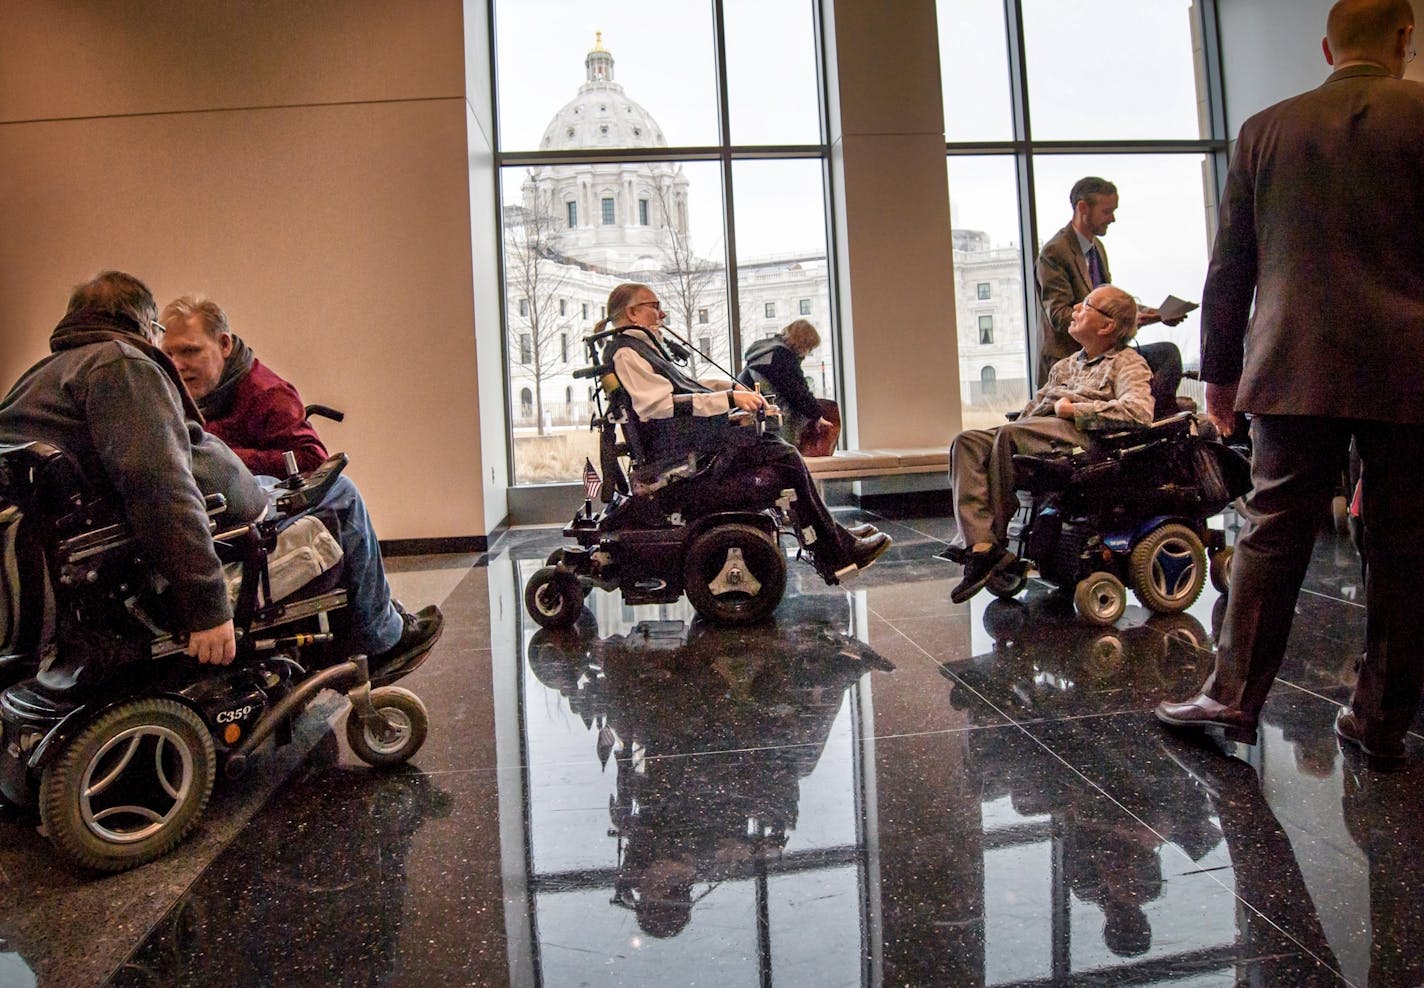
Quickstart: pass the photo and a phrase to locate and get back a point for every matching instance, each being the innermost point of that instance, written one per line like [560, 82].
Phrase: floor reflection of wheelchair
[704, 792]
[1130, 511]
[1044, 663]
[666, 528]
[113, 733]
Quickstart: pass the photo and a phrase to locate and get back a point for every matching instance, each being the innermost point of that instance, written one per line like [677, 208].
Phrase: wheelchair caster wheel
[553, 599]
[1008, 582]
[398, 732]
[1100, 599]
[130, 786]
[1221, 570]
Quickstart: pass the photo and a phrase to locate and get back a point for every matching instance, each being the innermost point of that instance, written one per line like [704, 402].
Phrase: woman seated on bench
[678, 415]
[1106, 385]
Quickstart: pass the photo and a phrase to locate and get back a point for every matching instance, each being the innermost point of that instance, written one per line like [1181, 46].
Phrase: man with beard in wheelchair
[111, 399]
[1107, 384]
[677, 415]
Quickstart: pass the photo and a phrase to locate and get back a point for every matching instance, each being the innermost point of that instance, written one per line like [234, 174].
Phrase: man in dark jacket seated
[775, 364]
[114, 401]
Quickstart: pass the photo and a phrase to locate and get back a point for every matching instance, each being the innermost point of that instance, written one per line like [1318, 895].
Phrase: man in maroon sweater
[259, 415]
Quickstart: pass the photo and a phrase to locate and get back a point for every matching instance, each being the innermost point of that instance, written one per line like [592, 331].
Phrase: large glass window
[591, 131]
[1041, 93]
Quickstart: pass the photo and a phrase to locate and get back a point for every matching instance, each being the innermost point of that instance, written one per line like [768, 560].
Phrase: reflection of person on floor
[703, 791]
[1104, 385]
[1267, 875]
[1114, 864]
[1382, 815]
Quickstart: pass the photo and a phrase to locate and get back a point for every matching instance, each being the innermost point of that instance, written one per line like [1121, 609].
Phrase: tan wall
[307, 166]
[896, 260]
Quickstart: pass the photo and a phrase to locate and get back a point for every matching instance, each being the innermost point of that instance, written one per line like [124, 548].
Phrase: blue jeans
[375, 623]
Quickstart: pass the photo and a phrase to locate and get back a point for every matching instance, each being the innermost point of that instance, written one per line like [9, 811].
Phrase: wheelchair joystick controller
[294, 475]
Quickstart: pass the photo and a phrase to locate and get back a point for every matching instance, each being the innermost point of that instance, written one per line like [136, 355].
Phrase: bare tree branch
[536, 276]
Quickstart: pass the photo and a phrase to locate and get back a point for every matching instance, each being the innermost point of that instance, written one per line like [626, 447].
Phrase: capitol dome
[601, 115]
[610, 215]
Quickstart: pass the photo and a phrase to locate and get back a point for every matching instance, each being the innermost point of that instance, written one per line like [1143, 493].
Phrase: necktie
[1095, 267]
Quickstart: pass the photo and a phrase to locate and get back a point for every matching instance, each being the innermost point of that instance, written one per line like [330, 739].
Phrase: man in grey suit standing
[1071, 264]
[1320, 223]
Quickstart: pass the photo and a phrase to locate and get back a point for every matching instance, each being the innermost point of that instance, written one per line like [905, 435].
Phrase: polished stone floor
[880, 787]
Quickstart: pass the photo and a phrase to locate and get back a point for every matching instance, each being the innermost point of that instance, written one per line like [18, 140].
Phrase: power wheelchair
[666, 527]
[1129, 511]
[114, 734]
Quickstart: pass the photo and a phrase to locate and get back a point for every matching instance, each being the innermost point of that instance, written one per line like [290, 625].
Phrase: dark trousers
[753, 470]
[1295, 467]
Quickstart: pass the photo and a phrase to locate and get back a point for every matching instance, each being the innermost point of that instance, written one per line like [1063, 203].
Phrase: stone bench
[858, 464]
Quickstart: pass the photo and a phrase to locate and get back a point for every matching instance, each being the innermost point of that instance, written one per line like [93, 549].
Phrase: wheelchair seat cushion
[305, 550]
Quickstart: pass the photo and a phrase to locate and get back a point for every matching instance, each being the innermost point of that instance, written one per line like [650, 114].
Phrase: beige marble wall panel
[87, 58]
[894, 225]
[887, 54]
[901, 266]
[337, 237]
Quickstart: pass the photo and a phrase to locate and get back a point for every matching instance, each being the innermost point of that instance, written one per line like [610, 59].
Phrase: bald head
[1377, 31]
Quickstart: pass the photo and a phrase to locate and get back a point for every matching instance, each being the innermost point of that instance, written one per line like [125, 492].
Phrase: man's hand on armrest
[215, 646]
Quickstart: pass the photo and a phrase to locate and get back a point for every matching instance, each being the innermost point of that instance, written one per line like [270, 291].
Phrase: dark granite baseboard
[430, 547]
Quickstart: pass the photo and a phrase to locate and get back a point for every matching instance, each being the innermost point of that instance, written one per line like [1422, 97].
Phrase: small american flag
[591, 482]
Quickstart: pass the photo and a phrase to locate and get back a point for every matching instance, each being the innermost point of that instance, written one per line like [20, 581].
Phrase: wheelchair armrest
[597, 370]
[311, 487]
[1159, 429]
[215, 504]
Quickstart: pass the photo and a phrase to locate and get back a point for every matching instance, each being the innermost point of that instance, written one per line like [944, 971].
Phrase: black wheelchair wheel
[553, 599]
[130, 786]
[734, 574]
[1167, 569]
[409, 724]
[1220, 570]
[1100, 599]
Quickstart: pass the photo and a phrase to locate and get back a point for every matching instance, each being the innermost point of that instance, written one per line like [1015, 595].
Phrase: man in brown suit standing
[1071, 264]
[1320, 223]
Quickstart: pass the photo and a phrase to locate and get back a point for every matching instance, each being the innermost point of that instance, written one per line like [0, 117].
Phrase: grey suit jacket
[1322, 223]
[1062, 275]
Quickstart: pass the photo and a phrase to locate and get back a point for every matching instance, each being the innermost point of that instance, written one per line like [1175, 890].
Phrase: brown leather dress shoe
[1385, 755]
[863, 530]
[1201, 711]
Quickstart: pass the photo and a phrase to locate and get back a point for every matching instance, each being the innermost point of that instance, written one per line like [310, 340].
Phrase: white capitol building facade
[583, 228]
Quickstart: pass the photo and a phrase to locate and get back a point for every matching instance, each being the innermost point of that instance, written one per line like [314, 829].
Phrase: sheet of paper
[1175, 308]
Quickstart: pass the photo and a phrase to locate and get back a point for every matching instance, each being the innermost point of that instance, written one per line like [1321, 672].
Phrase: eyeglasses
[1089, 305]
[656, 305]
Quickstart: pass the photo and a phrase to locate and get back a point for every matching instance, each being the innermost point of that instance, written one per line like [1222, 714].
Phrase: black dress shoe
[419, 634]
[1384, 755]
[1201, 711]
[864, 551]
[979, 569]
